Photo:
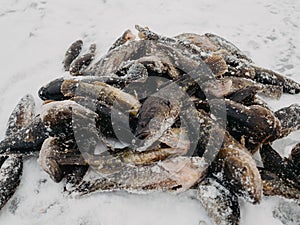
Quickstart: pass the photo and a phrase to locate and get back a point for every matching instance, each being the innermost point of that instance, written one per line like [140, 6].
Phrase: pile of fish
[159, 114]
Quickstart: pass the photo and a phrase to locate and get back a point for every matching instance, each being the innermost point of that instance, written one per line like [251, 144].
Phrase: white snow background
[34, 37]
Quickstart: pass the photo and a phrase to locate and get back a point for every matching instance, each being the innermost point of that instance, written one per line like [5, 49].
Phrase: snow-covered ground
[34, 37]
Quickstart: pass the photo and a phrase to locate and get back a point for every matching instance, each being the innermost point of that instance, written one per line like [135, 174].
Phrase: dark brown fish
[266, 76]
[55, 153]
[79, 64]
[72, 53]
[11, 168]
[289, 118]
[22, 115]
[255, 124]
[221, 205]
[283, 168]
[273, 185]
[235, 168]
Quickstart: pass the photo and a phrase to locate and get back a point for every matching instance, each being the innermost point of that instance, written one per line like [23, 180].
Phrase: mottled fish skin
[10, 176]
[283, 168]
[156, 115]
[186, 47]
[126, 36]
[240, 83]
[136, 72]
[52, 90]
[266, 76]
[71, 54]
[102, 92]
[273, 185]
[244, 96]
[135, 50]
[217, 64]
[73, 175]
[55, 153]
[175, 175]
[175, 143]
[22, 115]
[232, 61]
[188, 61]
[235, 168]
[222, 43]
[26, 141]
[221, 205]
[193, 52]
[159, 65]
[55, 119]
[11, 166]
[82, 62]
[255, 124]
[237, 63]
[201, 127]
[203, 42]
[232, 163]
[289, 118]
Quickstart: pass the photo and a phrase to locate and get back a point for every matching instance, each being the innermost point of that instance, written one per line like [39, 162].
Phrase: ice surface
[34, 37]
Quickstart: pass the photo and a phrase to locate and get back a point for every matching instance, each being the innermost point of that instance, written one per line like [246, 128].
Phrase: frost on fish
[222, 43]
[221, 205]
[266, 76]
[156, 115]
[126, 36]
[102, 92]
[289, 118]
[56, 118]
[235, 168]
[11, 168]
[22, 115]
[274, 185]
[52, 90]
[18, 130]
[135, 50]
[207, 45]
[25, 141]
[240, 83]
[72, 52]
[176, 174]
[287, 212]
[283, 168]
[25, 132]
[61, 116]
[175, 143]
[256, 124]
[57, 156]
[82, 62]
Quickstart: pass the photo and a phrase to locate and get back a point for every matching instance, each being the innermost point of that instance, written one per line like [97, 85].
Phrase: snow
[34, 37]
